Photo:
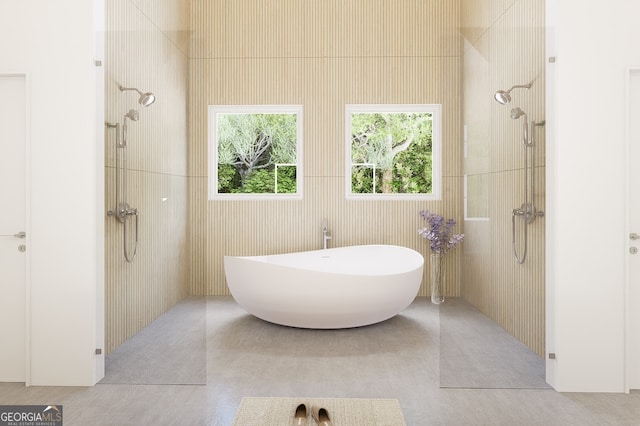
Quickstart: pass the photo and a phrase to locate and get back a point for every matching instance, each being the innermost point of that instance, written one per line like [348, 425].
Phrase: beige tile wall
[504, 46]
[147, 47]
[320, 54]
[323, 55]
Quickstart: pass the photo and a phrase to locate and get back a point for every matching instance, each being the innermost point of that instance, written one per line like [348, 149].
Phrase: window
[393, 151]
[255, 152]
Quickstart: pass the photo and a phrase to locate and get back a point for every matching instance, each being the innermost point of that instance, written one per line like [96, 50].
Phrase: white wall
[594, 44]
[56, 49]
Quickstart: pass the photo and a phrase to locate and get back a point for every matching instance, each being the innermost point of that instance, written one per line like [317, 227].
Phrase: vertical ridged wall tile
[144, 50]
[334, 53]
[264, 29]
[322, 55]
[478, 15]
[172, 17]
[393, 28]
[504, 46]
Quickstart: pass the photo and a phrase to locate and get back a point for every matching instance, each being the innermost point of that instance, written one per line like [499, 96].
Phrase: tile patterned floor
[244, 356]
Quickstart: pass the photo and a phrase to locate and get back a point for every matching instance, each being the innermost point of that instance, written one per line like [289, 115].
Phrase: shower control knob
[633, 250]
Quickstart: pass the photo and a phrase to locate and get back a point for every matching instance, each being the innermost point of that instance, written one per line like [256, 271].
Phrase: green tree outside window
[257, 152]
[392, 152]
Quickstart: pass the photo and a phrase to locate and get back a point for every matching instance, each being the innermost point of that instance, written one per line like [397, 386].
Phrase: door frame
[27, 219]
[628, 326]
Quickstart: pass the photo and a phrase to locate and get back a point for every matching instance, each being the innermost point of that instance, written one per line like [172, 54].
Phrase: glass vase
[437, 278]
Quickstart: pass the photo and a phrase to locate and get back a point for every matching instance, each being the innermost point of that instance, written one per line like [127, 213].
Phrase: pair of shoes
[320, 415]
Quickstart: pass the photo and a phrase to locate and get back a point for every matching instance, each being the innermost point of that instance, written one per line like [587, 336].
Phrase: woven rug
[343, 411]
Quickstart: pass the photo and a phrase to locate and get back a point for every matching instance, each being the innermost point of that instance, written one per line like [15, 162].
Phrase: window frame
[212, 182]
[436, 149]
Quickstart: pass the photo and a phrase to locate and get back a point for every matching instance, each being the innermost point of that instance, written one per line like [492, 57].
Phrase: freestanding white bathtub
[334, 288]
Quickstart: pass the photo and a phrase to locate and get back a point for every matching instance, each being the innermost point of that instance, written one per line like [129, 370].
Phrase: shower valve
[527, 212]
[123, 211]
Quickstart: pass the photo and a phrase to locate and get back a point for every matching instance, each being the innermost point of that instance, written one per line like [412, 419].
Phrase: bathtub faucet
[326, 236]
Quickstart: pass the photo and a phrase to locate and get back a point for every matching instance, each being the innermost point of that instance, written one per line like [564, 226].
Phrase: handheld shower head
[517, 113]
[132, 115]
[504, 97]
[145, 99]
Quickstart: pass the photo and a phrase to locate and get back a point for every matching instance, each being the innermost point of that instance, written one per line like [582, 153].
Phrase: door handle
[634, 236]
[20, 235]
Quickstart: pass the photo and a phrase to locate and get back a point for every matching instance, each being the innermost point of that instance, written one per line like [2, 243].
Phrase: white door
[633, 220]
[12, 223]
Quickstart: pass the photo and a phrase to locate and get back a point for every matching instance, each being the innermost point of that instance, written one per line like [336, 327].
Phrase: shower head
[504, 97]
[145, 99]
[132, 115]
[517, 113]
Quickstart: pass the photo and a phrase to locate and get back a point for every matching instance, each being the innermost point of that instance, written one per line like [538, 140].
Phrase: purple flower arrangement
[439, 233]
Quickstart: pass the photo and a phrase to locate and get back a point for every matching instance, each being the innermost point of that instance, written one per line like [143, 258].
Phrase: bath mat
[169, 351]
[475, 352]
[343, 411]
